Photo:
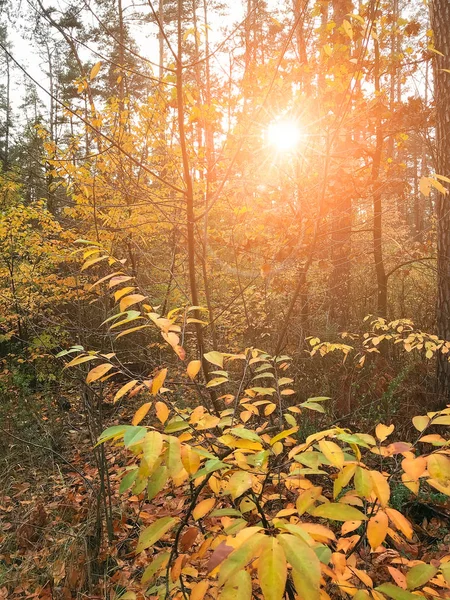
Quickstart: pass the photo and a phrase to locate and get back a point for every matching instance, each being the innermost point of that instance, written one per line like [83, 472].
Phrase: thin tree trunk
[377, 197]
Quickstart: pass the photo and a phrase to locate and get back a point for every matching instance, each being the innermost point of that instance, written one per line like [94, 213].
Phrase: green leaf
[339, 512]
[263, 375]
[158, 563]
[176, 425]
[156, 482]
[128, 480]
[272, 570]
[313, 406]
[245, 434]
[154, 532]
[352, 439]
[112, 432]
[445, 570]
[394, 592]
[226, 512]
[363, 482]
[419, 576]
[323, 553]
[305, 566]
[133, 435]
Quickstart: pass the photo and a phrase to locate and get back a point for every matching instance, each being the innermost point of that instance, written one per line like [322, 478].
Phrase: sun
[284, 135]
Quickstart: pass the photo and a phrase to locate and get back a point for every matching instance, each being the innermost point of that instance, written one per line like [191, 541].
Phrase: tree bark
[440, 23]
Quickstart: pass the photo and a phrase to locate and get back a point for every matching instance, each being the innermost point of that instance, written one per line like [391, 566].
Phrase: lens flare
[284, 135]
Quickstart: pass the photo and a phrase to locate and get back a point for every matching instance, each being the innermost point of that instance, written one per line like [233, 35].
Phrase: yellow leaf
[307, 499]
[193, 368]
[216, 358]
[98, 372]
[380, 487]
[439, 467]
[284, 434]
[158, 381]
[347, 28]
[80, 360]
[420, 422]
[92, 261]
[94, 71]
[162, 412]
[383, 431]
[130, 300]
[239, 483]
[272, 570]
[377, 529]
[190, 459]
[343, 478]
[338, 512]
[333, 453]
[305, 566]
[124, 389]
[152, 446]
[203, 508]
[122, 292]
[141, 413]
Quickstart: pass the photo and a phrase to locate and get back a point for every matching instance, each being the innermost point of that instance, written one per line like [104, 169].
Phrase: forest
[224, 299]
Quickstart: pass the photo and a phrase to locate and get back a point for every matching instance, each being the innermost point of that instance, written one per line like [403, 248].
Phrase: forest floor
[49, 540]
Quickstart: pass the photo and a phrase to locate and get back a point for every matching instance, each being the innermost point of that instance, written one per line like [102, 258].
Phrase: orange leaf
[158, 381]
[124, 389]
[377, 529]
[199, 590]
[400, 522]
[193, 368]
[162, 412]
[98, 372]
[140, 413]
[203, 508]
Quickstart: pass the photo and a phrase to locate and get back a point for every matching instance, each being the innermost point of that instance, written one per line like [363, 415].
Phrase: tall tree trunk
[377, 196]
[189, 197]
[440, 23]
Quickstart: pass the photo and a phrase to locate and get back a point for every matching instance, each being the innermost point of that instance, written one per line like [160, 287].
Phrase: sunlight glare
[284, 135]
